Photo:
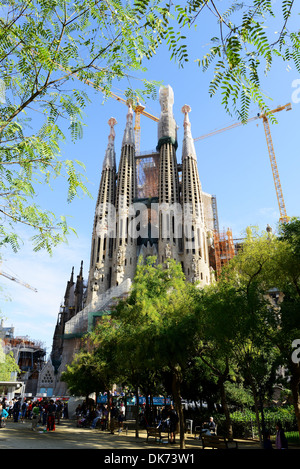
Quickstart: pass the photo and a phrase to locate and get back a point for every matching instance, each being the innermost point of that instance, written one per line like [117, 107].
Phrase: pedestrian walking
[267, 444]
[3, 416]
[281, 441]
[113, 418]
[65, 411]
[23, 411]
[16, 410]
[51, 417]
[35, 415]
[58, 411]
[44, 413]
[29, 410]
[121, 418]
[10, 409]
[173, 423]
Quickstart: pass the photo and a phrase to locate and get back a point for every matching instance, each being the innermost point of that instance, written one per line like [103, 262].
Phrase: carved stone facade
[169, 222]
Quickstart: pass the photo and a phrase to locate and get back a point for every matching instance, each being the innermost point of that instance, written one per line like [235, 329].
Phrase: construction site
[29, 355]
[154, 179]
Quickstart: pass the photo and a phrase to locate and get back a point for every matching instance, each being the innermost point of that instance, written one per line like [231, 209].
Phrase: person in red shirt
[51, 417]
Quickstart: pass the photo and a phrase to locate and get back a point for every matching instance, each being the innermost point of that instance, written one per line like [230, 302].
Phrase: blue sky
[234, 165]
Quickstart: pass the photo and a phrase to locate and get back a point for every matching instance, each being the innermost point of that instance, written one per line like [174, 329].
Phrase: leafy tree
[96, 368]
[237, 322]
[200, 385]
[48, 52]
[217, 329]
[270, 264]
[287, 278]
[244, 47]
[159, 312]
[8, 365]
[81, 375]
[138, 371]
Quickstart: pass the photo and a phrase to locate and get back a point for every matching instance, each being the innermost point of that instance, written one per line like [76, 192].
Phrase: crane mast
[281, 204]
[282, 210]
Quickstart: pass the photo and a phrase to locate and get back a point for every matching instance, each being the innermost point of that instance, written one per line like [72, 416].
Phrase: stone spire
[79, 287]
[188, 147]
[126, 185]
[124, 254]
[196, 260]
[68, 292]
[110, 154]
[168, 197]
[128, 138]
[191, 186]
[101, 249]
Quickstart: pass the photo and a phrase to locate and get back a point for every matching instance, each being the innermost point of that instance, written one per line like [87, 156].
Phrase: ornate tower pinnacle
[188, 147]
[167, 128]
[128, 138]
[110, 155]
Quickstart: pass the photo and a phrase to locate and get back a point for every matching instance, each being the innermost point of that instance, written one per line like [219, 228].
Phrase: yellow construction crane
[14, 279]
[140, 110]
[137, 108]
[282, 210]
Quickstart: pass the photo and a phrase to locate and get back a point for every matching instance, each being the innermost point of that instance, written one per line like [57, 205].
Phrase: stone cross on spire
[188, 147]
[110, 156]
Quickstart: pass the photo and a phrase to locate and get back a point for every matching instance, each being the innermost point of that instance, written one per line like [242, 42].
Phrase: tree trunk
[137, 398]
[178, 407]
[229, 432]
[109, 410]
[256, 406]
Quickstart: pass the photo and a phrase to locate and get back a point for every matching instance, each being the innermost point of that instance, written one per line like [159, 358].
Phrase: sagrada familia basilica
[148, 205]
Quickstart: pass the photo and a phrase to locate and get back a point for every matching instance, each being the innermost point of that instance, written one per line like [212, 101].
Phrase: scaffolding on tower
[224, 249]
[217, 254]
[147, 168]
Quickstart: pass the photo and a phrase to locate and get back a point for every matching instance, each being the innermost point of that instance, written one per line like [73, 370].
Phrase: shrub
[244, 423]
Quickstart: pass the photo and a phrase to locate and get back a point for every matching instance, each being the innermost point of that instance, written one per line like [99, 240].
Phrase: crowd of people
[166, 419]
[42, 412]
[46, 413]
[98, 416]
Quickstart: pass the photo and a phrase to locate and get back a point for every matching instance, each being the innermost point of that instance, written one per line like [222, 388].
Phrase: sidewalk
[68, 436]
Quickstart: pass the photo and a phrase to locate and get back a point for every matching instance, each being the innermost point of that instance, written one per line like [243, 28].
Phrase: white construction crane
[14, 279]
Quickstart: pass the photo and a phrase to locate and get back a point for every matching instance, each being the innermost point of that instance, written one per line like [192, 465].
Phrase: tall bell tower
[101, 258]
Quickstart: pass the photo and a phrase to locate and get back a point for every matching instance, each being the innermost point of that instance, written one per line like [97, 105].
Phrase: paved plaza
[68, 436]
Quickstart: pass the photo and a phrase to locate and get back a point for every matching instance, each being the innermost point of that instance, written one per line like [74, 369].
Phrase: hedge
[244, 423]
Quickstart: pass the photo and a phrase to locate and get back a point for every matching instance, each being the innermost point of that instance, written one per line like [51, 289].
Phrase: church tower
[102, 238]
[151, 206]
[168, 184]
[124, 252]
[195, 244]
